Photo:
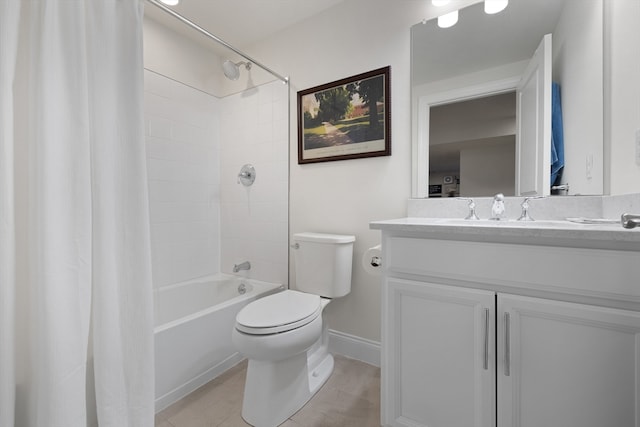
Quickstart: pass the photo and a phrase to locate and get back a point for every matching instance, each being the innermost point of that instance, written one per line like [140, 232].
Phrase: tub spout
[242, 266]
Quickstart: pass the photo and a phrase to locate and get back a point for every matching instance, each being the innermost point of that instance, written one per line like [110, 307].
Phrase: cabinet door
[568, 365]
[438, 361]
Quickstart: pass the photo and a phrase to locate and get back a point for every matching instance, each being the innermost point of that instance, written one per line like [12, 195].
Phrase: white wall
[181, 59]
[622, 95]
[342, 197]
[577, 67]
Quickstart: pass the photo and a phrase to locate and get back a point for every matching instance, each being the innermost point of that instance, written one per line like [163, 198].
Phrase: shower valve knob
[247, 175]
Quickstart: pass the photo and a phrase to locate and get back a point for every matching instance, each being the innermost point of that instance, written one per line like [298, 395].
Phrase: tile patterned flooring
[349, 398]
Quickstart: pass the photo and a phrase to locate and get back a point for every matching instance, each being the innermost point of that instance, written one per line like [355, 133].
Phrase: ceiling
[240, 23]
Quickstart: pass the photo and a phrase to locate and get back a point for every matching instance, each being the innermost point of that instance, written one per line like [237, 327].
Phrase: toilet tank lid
[323, 238]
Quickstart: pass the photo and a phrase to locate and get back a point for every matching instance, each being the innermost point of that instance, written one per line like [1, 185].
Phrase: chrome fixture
[563, 187]
[498, 211]
[507, 344]
[232, 69]
[242, 266]
[524, 216]
[630, 220]
[247, 175]
[472, 209]
[376, 261]
[242, 288]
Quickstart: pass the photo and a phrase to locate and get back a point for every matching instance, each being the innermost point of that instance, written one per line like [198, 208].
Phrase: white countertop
[554, 233]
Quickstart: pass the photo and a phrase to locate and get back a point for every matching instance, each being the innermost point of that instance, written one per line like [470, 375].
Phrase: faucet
[472, 209]
[630, 220]
[242, 266]
[498, 211]
[524, 216]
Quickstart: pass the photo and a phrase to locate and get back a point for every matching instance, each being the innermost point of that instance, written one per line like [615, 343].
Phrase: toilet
[284, 336]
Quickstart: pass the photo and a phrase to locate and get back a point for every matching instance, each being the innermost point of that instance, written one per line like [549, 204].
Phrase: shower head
[232, 70]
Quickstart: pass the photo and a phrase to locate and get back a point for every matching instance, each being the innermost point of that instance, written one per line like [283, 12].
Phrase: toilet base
[274, 391]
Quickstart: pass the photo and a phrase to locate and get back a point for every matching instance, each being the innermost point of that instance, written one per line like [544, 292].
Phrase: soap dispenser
[498, 211]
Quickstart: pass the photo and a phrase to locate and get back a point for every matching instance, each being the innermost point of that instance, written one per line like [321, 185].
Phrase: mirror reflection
[468, 133]
[472, 147]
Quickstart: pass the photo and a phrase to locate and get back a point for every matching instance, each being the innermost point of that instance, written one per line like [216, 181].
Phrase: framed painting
[345, 119]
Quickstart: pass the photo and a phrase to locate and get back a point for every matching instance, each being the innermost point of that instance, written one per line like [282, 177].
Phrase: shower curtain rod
[215, 38]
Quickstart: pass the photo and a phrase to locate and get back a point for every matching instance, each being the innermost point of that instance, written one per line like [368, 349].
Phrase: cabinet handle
[486, 339]
[507, 344]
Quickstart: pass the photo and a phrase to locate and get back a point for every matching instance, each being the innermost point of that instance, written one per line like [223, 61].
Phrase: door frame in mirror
[420, 126]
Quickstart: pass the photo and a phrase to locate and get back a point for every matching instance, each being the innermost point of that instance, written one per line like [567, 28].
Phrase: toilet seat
[281, 312]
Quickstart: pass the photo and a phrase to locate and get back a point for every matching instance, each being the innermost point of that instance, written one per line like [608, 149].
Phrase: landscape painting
[345, 119]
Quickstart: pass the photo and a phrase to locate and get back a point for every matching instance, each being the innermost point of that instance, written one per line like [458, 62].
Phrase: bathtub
[193, 324]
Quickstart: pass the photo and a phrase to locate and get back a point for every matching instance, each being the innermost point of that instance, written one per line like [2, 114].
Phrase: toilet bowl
[288, 354]
[284, 335]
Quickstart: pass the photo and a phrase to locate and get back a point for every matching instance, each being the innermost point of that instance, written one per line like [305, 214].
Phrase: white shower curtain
[76, 325]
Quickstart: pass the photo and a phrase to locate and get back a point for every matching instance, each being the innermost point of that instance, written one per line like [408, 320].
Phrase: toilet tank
[323, 263]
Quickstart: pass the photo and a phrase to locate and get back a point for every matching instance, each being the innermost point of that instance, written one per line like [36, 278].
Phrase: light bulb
[170, 2]
[494, 6]
[439, 3]
[448, 20]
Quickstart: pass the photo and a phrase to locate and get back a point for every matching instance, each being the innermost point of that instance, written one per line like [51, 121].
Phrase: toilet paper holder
[372, 260]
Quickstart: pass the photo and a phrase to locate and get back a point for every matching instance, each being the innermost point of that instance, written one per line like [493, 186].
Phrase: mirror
[455, 73]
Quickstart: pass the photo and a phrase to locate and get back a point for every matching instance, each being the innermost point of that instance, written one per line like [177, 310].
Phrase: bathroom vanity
[489, 323]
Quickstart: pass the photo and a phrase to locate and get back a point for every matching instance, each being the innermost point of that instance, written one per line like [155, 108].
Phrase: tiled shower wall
[183, 172]
[202, 220]
[254, 220]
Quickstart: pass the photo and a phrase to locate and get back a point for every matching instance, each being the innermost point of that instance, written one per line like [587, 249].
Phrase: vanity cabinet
[497, 333]
[439, 355]
[556, 364]
[564, 364]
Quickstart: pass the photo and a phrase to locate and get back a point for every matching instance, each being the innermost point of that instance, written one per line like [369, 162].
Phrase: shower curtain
[76, 338]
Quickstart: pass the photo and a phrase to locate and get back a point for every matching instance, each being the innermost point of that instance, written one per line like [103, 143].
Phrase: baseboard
[354, 347]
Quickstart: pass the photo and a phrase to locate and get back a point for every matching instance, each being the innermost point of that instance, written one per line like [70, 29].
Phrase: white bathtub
[193, 324]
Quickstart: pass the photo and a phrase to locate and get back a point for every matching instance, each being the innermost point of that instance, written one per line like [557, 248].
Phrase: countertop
[553, 233]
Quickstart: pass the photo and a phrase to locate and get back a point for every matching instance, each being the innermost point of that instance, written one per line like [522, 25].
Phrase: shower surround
[202, 220]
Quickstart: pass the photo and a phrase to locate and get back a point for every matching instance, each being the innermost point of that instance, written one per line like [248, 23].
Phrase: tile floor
[350, 398]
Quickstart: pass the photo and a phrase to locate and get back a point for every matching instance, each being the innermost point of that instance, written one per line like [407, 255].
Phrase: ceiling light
[495, 6]
[170, 2]
[448, 20]
[439, 3]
